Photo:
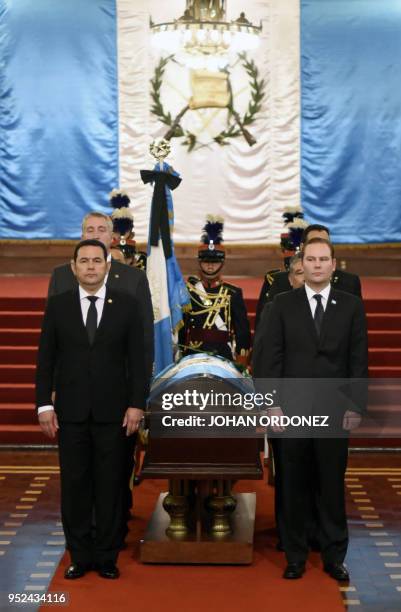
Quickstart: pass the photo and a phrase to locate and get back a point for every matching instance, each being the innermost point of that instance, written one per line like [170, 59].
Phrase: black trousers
[130, 444]
[92, 461]
[313, 466]
[312, 518]
[278, 511]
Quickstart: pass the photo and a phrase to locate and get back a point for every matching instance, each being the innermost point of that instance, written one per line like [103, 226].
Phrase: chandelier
[202, 37]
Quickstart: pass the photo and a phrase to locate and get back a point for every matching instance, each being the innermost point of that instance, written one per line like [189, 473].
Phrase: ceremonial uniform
[264, 292]
[217, 322]
[123, 230]
[290, 241]
[139, 260]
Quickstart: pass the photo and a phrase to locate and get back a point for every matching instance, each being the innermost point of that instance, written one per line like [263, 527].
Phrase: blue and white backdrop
[75, 120]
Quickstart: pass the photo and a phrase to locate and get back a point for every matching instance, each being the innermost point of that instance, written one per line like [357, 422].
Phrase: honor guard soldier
[290, 241]
[217, 322]
[123, 246]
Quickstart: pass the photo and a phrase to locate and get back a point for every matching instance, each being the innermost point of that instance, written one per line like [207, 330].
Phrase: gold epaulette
[140, 261]
[269, 276]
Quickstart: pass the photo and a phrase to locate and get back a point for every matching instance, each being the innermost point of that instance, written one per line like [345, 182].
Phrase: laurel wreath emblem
[236, 124]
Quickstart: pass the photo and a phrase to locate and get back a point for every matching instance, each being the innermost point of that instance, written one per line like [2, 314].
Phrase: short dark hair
[314, 227]
[318, 241]
[90, 242]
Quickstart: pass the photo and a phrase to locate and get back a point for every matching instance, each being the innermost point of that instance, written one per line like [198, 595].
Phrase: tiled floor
[32, 542]
[31, 536]
[374, 513]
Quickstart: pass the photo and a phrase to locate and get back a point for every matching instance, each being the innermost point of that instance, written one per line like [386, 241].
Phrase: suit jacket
[287, 344]
[345, 281]
[124, 278]
[100, 380]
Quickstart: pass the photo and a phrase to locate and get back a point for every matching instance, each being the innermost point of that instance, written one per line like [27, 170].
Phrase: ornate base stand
[220, 505]
[200, 522]
[177, 504]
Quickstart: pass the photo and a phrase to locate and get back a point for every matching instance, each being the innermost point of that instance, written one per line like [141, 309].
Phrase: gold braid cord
[212, 304]
[217, 302]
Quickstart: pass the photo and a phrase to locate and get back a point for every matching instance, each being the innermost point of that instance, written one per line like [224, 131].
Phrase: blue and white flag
[76, 119]
[167, 286]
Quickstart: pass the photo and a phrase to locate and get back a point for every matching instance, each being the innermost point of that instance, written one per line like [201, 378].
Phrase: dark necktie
[91, 319]
[319, 312]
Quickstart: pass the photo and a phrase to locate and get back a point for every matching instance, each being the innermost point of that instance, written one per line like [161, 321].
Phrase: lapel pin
[116, 276]
[333, 302]
[109, 301]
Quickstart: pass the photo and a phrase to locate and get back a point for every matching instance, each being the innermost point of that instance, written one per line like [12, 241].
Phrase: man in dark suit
[315, 332]
[98, 226]
[91, 349]
[281, 282]
[340, 279]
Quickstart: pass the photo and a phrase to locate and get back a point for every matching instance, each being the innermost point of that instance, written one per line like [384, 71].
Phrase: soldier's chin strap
[211, 280]
[211, 277]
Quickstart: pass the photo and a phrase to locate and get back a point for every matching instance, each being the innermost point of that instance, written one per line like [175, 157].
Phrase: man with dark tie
[318, 333]
[98, 226]
[91, 351]
[340, 279]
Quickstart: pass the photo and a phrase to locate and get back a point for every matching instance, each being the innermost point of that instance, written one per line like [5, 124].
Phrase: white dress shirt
[85, 303]
[312, 302]
[109, 260]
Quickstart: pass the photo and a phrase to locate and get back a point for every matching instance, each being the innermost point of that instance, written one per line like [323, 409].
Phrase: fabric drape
[58, 115]
[351, 132]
